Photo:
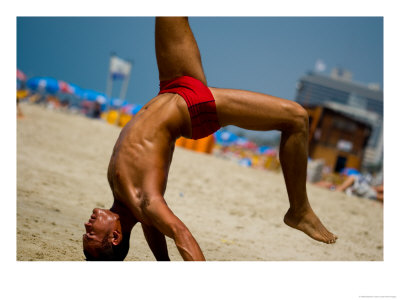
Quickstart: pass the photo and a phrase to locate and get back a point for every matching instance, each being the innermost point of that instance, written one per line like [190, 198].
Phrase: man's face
[101, 224]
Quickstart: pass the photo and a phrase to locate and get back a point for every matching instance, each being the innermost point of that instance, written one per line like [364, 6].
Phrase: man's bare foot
[310, 224]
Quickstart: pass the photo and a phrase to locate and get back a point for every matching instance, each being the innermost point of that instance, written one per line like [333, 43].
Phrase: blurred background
[105, 67]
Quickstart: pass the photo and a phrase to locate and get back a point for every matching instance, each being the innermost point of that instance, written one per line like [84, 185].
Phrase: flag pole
[109, 81]
[124, 87]
[109, 85]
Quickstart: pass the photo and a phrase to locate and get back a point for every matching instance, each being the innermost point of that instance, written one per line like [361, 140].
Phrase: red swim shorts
[200, 102]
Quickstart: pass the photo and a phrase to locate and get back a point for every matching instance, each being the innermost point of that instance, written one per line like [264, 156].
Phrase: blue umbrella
[132, 109]
[43, 84]
[225, 138]
[91, 95]
[76, 90]
[136, 108]
[115, 102]
[263, 149]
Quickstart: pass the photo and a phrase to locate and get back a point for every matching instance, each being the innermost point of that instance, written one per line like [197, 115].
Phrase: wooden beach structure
[337, 138]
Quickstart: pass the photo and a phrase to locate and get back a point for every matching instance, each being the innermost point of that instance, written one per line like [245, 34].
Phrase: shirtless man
[185, 106]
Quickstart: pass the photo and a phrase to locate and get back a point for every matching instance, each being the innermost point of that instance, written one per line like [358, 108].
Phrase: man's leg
[176, 49]
[257, 111]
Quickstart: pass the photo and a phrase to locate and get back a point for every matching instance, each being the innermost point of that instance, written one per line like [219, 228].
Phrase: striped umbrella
[21, 75]
[65, 87]
[76, 90]
[43, 84]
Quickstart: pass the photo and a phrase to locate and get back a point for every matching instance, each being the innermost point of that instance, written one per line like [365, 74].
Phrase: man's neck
[127, 219]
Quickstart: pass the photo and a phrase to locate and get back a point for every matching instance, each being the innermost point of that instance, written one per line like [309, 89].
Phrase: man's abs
[141, 157]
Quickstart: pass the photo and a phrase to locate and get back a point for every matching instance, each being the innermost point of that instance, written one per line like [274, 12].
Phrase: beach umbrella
[271, 152]
[225, 138]
[131, 108]
[249, 145]
[76, 90]
[241, 141]
[117, 103]
[245, 143]
[65, 87]
[263, 149]
[21, 75]
[126, 109]
[136, 108]
[43, 84]
[93, 96]
[89, 97]
[102, 99]
[21, 80]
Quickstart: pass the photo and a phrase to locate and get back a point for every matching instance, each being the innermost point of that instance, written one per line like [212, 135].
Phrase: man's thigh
[254, 111]
[176, 50]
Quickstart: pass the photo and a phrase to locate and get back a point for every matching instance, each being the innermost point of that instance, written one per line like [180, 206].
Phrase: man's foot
[310, 224]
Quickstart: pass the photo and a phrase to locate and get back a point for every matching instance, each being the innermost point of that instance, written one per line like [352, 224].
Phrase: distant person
[65, 103]
[359, 186]
[95, 110]
[21, 94]
[185, 106]
[355, 184]
[19, 111]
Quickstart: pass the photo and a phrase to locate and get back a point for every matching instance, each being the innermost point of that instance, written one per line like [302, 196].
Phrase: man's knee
[299, 118]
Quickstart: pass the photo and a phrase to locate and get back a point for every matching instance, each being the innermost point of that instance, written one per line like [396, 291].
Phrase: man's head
[103, 239]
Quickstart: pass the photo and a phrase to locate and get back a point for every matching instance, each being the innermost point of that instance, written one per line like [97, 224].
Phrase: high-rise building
[359, 101]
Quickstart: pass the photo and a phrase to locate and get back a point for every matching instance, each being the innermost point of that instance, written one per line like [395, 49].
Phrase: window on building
[344, 125]
[358, 101]
[340, 164]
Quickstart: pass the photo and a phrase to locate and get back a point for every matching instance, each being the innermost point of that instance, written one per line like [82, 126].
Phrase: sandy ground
[234, 212]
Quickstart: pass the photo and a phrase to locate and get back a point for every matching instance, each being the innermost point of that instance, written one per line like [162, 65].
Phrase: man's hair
[109, 252]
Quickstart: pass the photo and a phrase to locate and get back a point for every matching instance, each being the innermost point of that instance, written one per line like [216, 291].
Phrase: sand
[234, 212]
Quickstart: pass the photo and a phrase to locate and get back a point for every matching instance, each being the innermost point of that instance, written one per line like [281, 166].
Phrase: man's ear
[116, 238]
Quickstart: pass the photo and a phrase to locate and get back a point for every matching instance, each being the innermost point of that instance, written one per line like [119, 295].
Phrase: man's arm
[161, 217]
[156, 241]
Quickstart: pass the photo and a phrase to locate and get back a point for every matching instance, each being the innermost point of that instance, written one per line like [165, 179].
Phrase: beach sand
[234, 212]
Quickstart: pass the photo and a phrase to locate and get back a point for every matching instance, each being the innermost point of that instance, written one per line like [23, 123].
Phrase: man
[185, 106]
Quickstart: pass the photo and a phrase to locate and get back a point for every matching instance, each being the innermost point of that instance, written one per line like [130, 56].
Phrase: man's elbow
[180, 231]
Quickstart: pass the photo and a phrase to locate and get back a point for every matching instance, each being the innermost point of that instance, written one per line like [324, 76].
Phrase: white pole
[124, 87]
[109, 85]
[109, 82]
[109, 79]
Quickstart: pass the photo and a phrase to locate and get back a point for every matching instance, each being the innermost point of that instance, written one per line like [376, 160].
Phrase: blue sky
[263, 54]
